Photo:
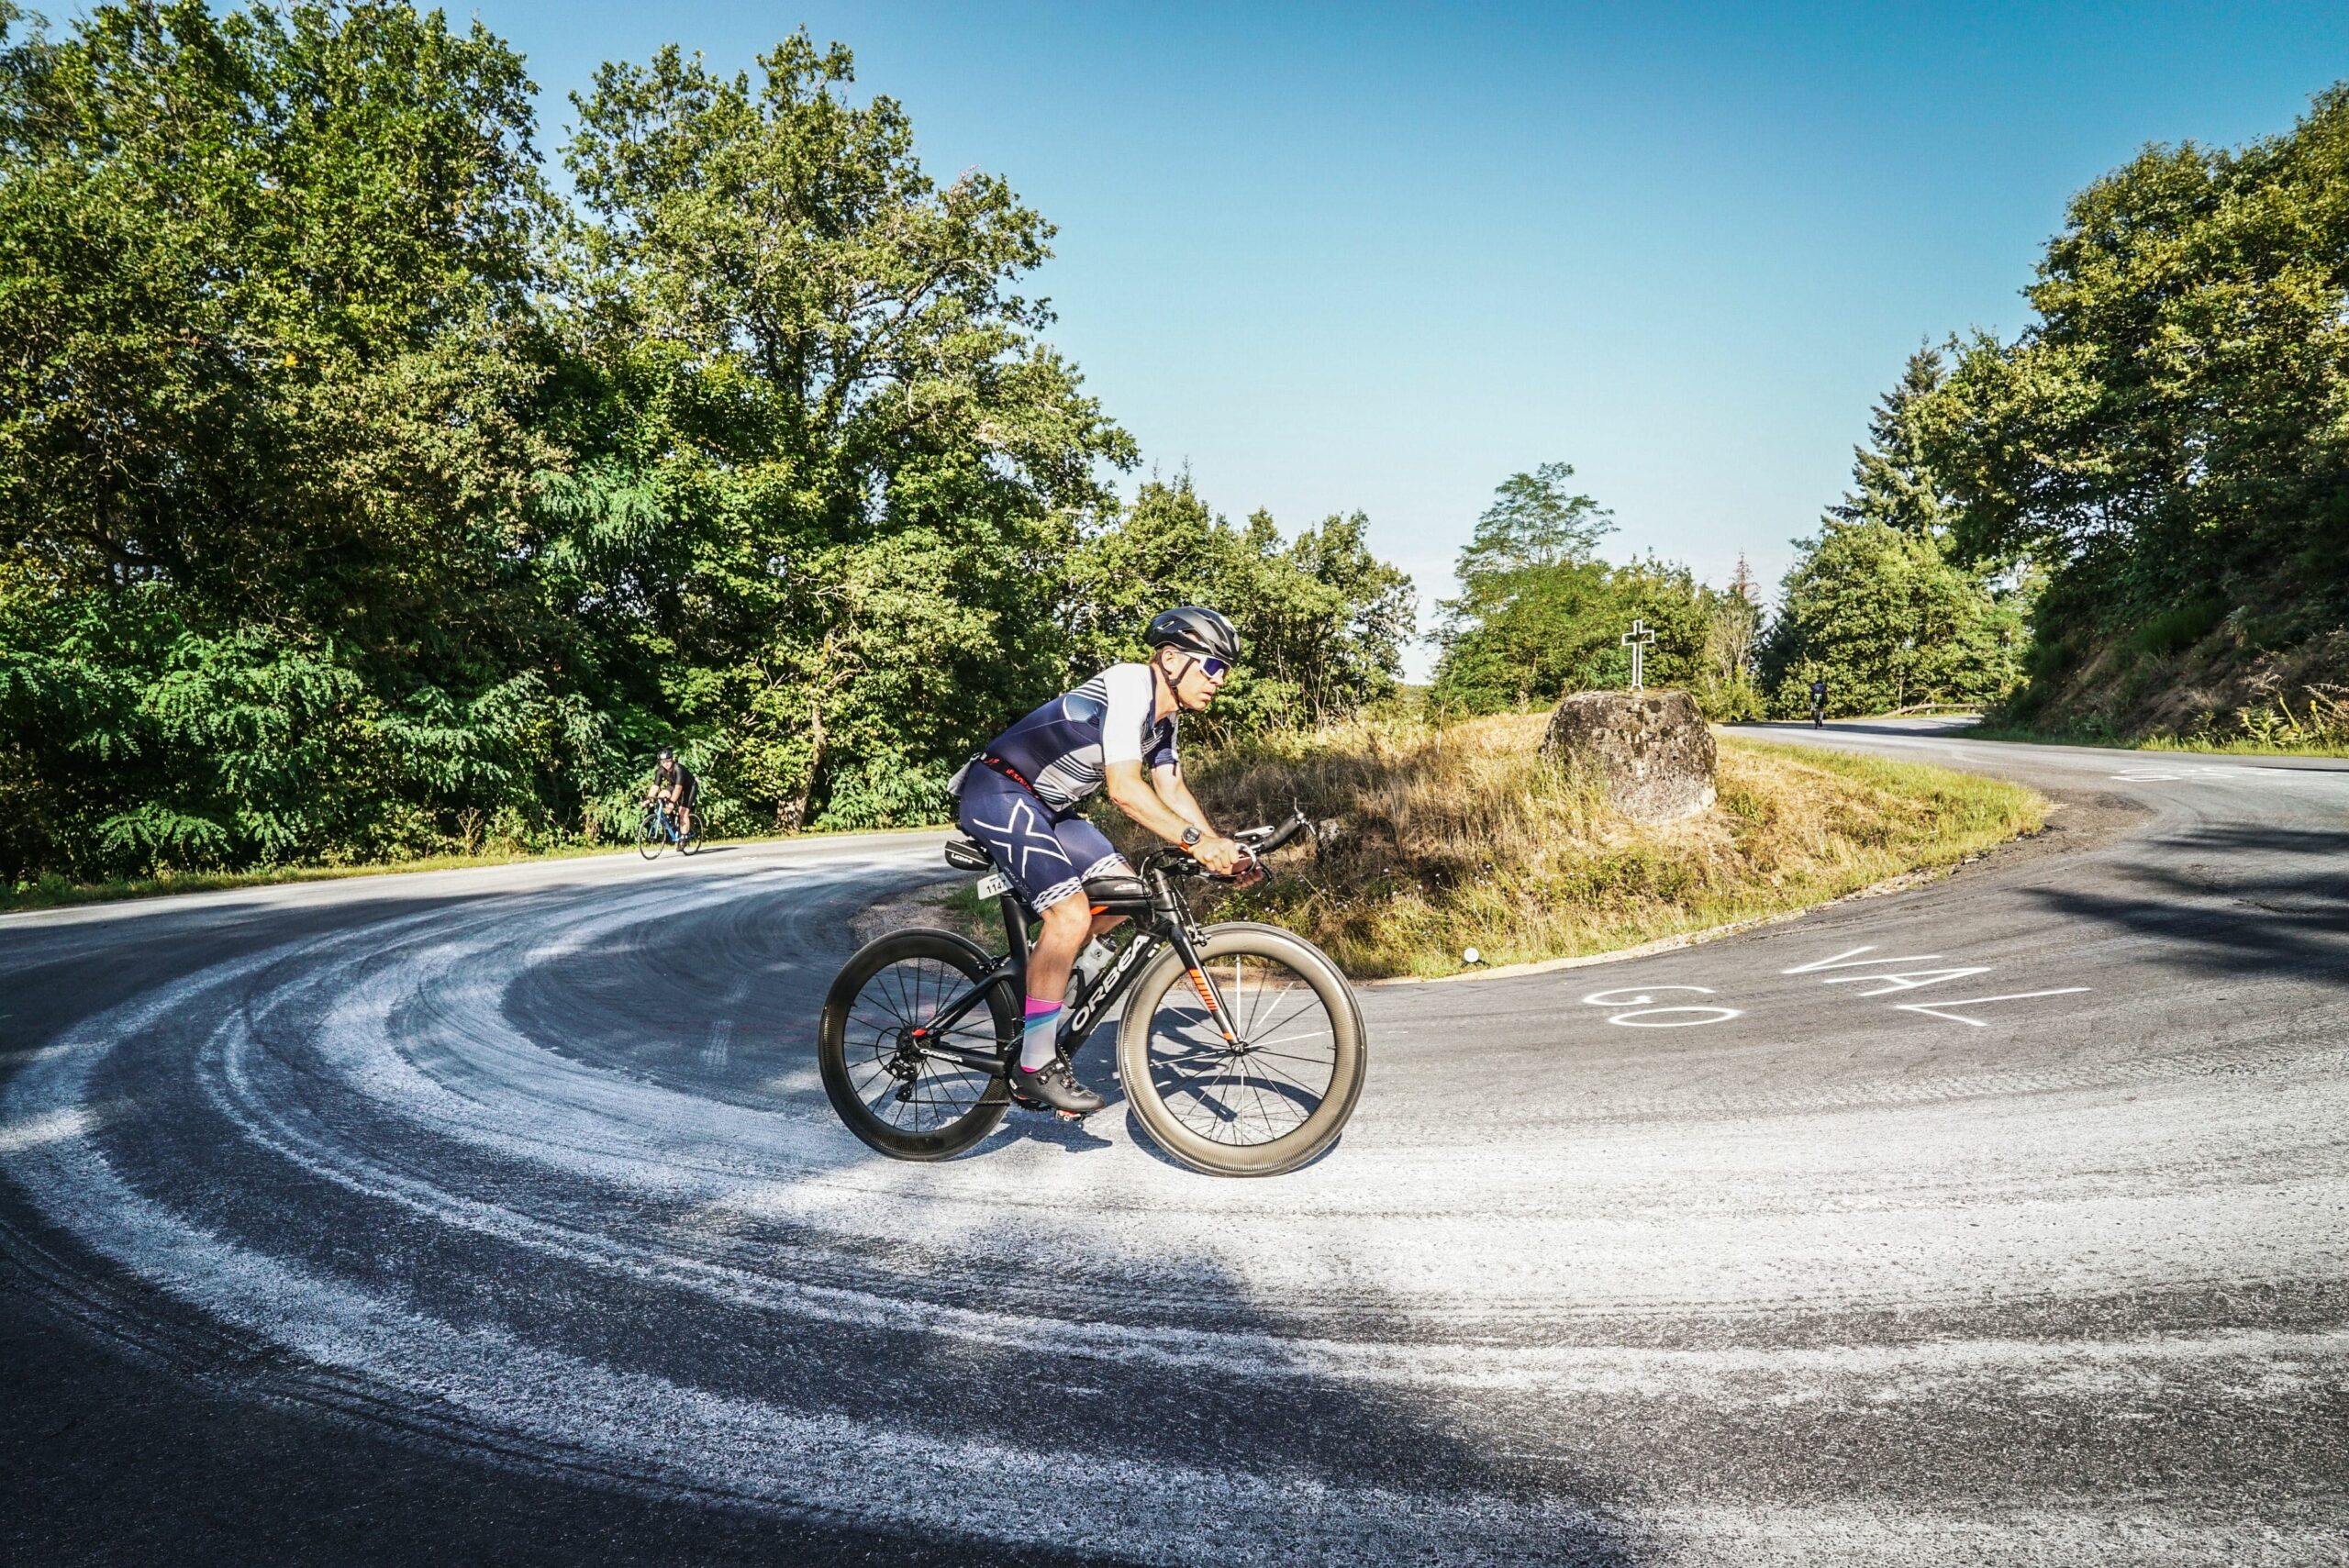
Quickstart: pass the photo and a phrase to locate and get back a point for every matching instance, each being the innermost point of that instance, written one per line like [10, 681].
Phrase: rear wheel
[1274, 1095]
[894, 1093]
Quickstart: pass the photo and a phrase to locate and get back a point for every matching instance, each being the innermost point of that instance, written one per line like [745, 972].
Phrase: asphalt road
[498, 1215]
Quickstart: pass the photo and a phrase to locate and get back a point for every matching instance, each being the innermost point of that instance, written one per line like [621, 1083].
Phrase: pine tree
[1892, 482]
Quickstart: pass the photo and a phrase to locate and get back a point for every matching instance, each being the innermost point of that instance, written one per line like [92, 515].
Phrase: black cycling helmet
[666, 755]
[1195, 630]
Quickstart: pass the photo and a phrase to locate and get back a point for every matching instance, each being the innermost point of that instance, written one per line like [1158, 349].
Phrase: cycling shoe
[1054, 1087]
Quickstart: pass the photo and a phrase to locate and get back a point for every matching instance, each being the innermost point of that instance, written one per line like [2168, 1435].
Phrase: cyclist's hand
[1252, 870]
[1217, 853]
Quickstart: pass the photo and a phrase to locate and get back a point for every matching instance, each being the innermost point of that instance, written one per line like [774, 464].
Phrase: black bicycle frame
[1169, 922]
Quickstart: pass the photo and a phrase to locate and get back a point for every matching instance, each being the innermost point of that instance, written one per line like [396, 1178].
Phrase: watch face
[1190, 837]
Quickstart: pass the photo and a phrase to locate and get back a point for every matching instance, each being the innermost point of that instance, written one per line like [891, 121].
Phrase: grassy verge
[53, 891]
[1462, 836]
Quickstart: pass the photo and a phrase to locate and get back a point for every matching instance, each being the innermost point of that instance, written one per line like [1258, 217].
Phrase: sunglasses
[1214, 669]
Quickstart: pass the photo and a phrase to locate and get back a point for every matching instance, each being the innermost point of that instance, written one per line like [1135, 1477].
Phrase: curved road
[498, 1215]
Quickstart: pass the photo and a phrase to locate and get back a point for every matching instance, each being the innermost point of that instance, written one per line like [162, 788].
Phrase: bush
[2175, 630]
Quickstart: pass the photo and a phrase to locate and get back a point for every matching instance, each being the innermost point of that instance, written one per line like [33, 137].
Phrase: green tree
[814, 364]
[1877, 605]
[359, 498]
[1538, 614]
[265, 436]
[1887, 621]
[1892, 481]
[1728, 688]
[1322, 620]
[2170, 435]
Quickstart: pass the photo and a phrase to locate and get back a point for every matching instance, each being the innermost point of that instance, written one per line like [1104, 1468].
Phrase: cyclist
[674, 783]
[1817, 703]
[1020, 796]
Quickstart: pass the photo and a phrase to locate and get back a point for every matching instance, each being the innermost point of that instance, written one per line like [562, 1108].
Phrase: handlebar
[1257, 842]
[1264, 840]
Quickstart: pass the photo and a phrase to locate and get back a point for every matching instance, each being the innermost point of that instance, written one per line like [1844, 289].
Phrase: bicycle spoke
[1262, 1095]
[1271, 1071]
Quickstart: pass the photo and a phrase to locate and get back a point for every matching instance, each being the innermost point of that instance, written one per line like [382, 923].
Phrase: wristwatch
[1190, 838]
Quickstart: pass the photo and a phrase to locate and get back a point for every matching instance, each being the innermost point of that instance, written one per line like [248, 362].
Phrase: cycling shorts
[1047, 855]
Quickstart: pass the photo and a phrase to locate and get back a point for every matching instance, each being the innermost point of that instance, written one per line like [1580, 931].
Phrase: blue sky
[1350, 257]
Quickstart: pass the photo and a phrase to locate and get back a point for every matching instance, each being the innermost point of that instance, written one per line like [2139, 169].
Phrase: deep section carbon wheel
[1259, 1088]
[887, 1081]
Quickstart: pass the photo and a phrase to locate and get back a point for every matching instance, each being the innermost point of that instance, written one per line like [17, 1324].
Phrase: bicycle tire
[849, 1050]
[650, 840]
[1167, 1099]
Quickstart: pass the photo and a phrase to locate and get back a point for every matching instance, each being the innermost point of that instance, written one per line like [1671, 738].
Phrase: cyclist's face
[1197, 679]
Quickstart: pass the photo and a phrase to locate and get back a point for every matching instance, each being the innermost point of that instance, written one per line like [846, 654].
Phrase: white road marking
[1851, 956]
[1978, 1001]
[1908, 981]
[35, 1130]
[1639, 996]
[1712, 1015]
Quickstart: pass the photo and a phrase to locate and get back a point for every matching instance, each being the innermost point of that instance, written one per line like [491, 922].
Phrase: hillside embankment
[2193, 678]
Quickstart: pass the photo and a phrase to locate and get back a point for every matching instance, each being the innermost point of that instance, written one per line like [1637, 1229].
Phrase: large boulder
[1651, 750]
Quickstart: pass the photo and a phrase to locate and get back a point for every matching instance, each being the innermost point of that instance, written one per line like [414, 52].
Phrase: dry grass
[1458, 836]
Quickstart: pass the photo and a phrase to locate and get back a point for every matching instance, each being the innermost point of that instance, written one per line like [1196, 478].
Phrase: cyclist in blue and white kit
[1020, 796]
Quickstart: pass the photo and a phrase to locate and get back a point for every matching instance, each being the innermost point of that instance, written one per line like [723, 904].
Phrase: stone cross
[1637, 639]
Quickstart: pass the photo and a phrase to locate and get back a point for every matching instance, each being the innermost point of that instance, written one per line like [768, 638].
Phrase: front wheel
[651, 837]
[1275, 1094]
[900, 1098]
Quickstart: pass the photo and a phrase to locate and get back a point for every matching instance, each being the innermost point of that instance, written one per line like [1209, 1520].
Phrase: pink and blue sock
[1035, 1038]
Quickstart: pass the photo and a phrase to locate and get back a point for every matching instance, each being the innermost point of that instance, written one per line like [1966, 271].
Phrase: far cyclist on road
[1817, 703]
[1020, 796]
[674, 783]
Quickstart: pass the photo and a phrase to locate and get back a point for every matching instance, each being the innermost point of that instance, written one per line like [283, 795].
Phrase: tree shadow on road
[2232, 900]
[1175, 1388]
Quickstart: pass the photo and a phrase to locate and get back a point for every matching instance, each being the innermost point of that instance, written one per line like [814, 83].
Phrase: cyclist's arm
[1138, 800]
[1133, 796]
[1168, 780]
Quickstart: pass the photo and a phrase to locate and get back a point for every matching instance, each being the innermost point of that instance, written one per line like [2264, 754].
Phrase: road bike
[658, 829]
[1240, 1050]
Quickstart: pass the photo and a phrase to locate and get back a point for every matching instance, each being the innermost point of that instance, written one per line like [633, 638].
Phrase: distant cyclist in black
[1819, 704]
[674, 783]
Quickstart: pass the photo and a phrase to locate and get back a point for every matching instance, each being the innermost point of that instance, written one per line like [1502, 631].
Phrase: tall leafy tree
[361, 498]
[1538, 614]
[817, 363]
[1892, 481]
[1887, 621]
[2172, 433]
[1322, 620]
[1732, 632]
[265, 282]
[1876, 603]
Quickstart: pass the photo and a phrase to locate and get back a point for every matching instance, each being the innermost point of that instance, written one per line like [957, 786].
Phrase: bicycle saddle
[967, 854]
